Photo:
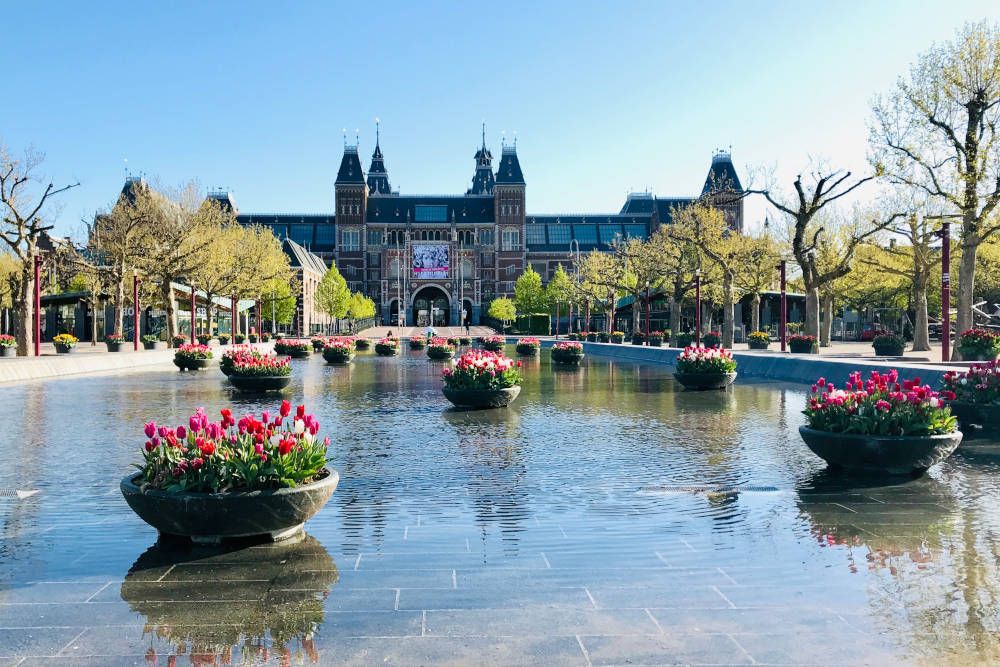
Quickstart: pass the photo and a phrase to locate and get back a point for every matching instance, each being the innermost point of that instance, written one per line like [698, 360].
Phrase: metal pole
[557, 319]
[945, 290]
[135, 312]
[194, 309]
[38, 305]
[234, 314]
[783, 322]
[273, 331]
[647, 313]
[697, 310]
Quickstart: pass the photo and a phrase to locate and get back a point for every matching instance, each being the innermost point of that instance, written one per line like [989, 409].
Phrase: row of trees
[335, 299]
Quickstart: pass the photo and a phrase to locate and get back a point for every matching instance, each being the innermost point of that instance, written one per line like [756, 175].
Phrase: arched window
[394, 268]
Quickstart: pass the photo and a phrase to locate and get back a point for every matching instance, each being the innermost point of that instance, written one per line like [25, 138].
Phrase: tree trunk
[966, 289]
[727, 310]
[24, 308]
[921, 337]
[170, 306]
[826, 323]
[636, 312]
[675, 320]
[812, 312]
[94, 300]
[119, 306]
[755, 313]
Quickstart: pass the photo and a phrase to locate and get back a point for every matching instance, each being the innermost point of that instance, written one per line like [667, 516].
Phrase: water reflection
[227, 605]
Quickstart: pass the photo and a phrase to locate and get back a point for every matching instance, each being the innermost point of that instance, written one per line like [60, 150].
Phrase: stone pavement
[411, 332]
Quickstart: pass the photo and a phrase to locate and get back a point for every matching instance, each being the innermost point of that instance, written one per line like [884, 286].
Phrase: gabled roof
[722, 175]
[509, 171]
[300, 258]
[350, 171]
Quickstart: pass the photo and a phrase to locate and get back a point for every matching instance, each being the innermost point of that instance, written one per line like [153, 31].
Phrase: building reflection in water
[268, 607]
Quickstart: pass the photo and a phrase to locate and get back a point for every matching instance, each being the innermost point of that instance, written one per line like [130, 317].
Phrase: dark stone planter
[154, 345]
[890, 455]
[116, 347]
[758, 345]
[297, 354]
[528, 350]
[386, 350]
[481, 398]
[889, 350]
[64, 349]
[801, 348]
[984, 417]
[334, 356]
[618, 339]
[8, 351]
[210, 518]
[977, 356]
[260, 384]
[417, 343]
[655, 342]
[638, 341]
[705, 381]
[592, 338]
[493, 347]
[318, 346]
[439, 355]
[604, 338]
[362, 344]
[253, 338]
[192, 364]
[566, 359]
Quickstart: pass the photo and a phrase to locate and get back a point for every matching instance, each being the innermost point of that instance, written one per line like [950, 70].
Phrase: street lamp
[576, 280]
[945, 282]
[135, 310]
[194, 309]
[783, 321]
[38, 305]
[647, 312]
[697, 308]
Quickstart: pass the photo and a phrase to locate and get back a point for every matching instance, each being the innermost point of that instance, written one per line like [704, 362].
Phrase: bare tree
[937, 133]
[24, 221]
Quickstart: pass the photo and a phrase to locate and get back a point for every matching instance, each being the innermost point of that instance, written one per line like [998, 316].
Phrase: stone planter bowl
[334, 356]
[209, 518]
[116, 347]
[417, 343]
[566, 359]
[887, 455]
[758, 345]
[8, 351]
[260, 383]
[481, 398]
[527, 350]
[705, 381]
[362, 344]
[386, 350]
[798, 348]
[493, 347]
[439, 355]
[985, 417]
[154, 345]
[192, 364]
[64, 349]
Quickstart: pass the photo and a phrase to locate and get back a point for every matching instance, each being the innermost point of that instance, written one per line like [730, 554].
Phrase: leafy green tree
[529, 295]
[360, 307]
[278, 295]
[503, 309]
[332, 295]
[559, 291]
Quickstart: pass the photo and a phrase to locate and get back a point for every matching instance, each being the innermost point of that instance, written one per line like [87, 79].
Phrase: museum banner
[430, 261]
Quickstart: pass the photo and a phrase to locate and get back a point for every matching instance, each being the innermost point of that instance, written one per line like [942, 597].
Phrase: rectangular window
[542, 269]
[301, 234]
[423, 213]
[511, 239]
[350, 240]
[635, 231]
[558, 234]
[374, 237]
[609, 233]
[534, 234]
[585, 234]
[485, 237]
[374, 259]
[487, 259]
[326, 236]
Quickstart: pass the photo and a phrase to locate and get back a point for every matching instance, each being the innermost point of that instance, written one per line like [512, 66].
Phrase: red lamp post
[38, 305]
[783, 322]
[234, 316]
[945, 291]
[135, 312]
[647, 312]
[697, 308]
[193, 313]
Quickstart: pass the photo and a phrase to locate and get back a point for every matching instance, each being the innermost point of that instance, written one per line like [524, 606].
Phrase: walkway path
[410, 332]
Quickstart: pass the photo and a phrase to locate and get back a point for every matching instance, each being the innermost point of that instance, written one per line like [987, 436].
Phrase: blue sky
[603, 97]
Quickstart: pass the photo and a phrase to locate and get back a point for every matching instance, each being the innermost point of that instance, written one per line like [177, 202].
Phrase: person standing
[468, 327]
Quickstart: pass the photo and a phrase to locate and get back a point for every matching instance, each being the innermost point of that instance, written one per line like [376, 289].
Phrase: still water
[552, 532]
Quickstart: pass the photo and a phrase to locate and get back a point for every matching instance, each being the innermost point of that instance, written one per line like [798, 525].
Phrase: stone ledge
[23, 369]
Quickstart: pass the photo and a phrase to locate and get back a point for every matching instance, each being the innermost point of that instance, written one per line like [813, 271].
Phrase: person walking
[468, 326]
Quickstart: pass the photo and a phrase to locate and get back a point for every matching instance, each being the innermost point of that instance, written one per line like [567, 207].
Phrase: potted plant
[339, 350]
[569, 353]
[656, 338]
[591, 336]
[464, 340]
[279, 336]
[192, 356]
[881, 425]
[265, 337]
[638, 338]
[209, 481]
[617, 337]
[115, 341]
[684, 339]
[712, 339]
[418, 343]
[240, 338]
[453, 340]
[494, 343]
[64, 343]
[228, 357]
[251, 371]
[974, 395]
[979, 345]
[204, 338]
[318, 343]
[888, 345]
[253, 338]
[705, 368]
[178, 340]
[297, 349]
[482, 379]
[759, 340]
[8, 346]
[152, 342]
[440, 349]
[604, 337]
[803, 344]
[387, 347]
[223, 339]
[362, 344]
[528, 346]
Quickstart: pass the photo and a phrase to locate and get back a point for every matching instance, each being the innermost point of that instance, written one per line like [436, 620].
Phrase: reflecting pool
[576, 527]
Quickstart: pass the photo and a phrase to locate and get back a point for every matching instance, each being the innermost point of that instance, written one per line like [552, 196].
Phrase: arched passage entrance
[431, 306]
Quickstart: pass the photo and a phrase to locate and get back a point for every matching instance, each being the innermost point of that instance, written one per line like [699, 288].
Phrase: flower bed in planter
[362, 344]
[265, 337]
[152, 342]
[482, 379]
[684, 339]
[296, 349]
[418, 343]
[214, 480]
[759, 340]
[638, 338]
[339, 350]
[115, 342]
[204, 339]
[192, 357]
[802, 344]
[974, 396]
[888, 345]
[617, 337]
[464, 340]
[528, 346]
[253, 338]
[979, 345]
[252, 371]
[701, 368]
[177, 341]
[318, 343]
[881, 425]
[229, 357]
[387, 347]
[604, 337]
[239, 338]
[592, 337]
[64, 343]
[453, 340]
[493, 343]
[440, 349]
[223, 339]
[8, 346]
[568, 353]
[656, 338]
[712, 339]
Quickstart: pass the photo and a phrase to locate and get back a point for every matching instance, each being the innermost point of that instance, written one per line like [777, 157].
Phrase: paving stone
[16, 643]
[668, 649]
[539, 621]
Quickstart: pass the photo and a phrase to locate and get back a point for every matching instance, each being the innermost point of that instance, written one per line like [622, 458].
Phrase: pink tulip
[150, 429]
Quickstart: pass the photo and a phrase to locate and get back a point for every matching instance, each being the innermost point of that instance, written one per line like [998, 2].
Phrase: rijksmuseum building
[435, 257]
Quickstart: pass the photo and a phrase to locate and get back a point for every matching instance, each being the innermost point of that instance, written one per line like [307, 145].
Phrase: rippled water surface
[552, 532]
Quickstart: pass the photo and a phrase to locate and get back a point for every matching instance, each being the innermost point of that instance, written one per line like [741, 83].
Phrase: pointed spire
[482, 180]
[378, 176]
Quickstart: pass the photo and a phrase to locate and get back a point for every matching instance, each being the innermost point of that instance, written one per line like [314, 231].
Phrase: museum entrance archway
[431, 307]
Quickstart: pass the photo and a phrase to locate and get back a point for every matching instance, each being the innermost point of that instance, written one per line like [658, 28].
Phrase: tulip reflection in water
[232, 605]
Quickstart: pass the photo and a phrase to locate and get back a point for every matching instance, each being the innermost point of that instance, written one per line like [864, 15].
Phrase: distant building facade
[439, 259]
